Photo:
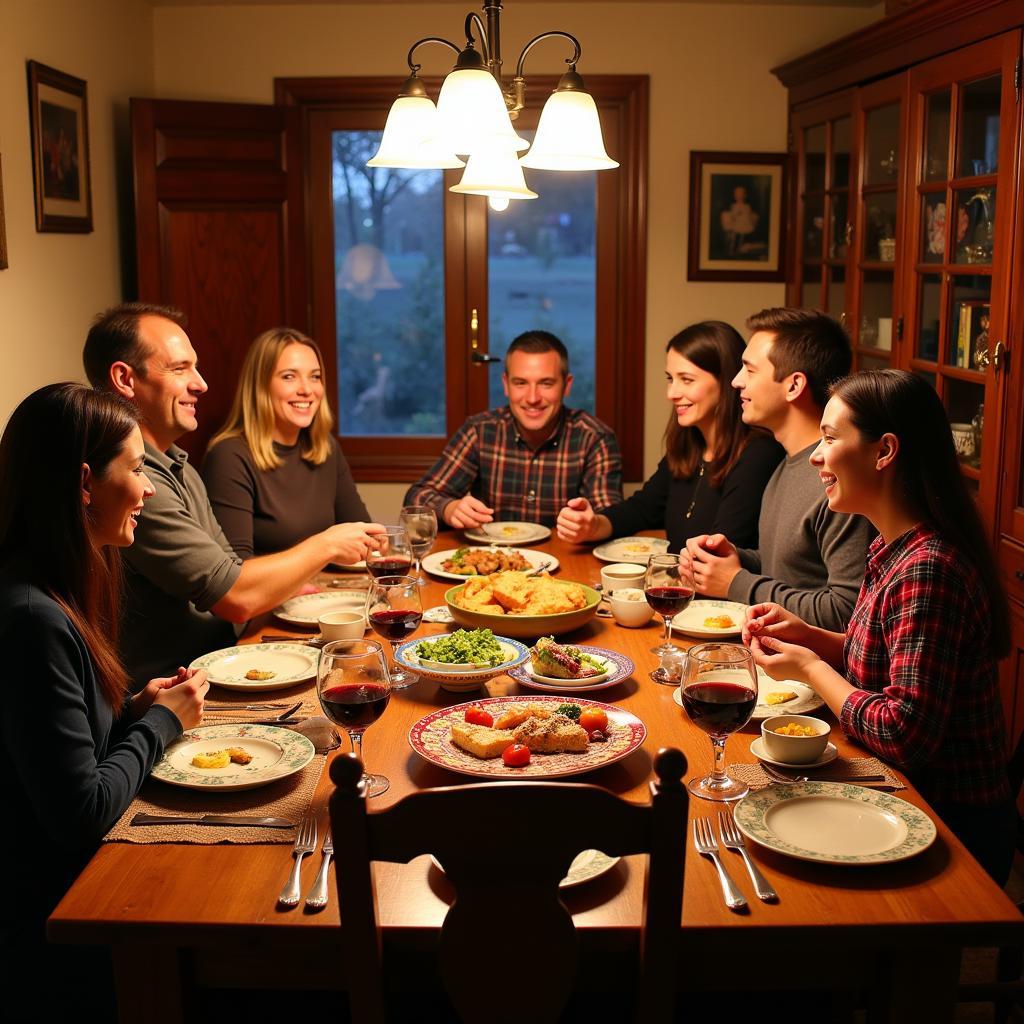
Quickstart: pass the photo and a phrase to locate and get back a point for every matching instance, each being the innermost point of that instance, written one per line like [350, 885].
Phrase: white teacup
[619, 575]
[346, 625]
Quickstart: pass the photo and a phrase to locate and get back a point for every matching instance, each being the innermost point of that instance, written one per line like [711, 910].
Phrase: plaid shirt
[918, 646]
[489, 459]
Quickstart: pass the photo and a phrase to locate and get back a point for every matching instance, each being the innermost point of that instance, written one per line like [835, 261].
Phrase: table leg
[921, 985]
[148, 980]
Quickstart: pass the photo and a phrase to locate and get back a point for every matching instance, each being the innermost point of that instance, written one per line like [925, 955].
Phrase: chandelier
[474, 114]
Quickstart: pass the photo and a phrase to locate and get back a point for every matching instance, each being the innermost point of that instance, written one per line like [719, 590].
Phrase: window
[414, 287]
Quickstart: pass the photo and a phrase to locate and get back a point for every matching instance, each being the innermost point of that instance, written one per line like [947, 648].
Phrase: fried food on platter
[483, 561]
[520, 713]
[515, 593]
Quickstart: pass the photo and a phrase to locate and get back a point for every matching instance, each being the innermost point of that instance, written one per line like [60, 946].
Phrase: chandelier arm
[428, 39]
[571, 61]
[474, 19]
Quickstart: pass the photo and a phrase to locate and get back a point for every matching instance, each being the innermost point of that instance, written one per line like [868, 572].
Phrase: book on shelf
[972, 332]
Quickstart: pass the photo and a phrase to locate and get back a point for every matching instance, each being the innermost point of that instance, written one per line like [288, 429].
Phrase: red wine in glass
[356, 706]
[719, 707]
[394, 565]
[668, 601]
[395, 623]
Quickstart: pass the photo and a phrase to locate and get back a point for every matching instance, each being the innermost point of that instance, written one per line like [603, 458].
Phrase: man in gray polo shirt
[187, 589]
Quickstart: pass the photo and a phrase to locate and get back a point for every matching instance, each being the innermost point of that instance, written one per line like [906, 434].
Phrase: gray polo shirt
[179, 567]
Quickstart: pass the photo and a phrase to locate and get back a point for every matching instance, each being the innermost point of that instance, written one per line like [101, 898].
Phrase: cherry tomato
[593, 718]
[516, 755]
[477, 716]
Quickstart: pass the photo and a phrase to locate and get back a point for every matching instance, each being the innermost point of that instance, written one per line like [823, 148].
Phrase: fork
[732, 839]
[317, 896]
[305, 842]
[538, 569]
[704, 842]
[778, 776]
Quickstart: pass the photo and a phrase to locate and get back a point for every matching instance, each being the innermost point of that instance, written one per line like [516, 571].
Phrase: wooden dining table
[180, 915]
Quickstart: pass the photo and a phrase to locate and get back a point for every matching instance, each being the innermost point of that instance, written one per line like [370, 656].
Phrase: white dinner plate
[276, 753]
[585, 866]
[631, 549]
[834, 823]
[290, 663]
[434, 562]
[359, 566]
[503, 532]
[805, 700]
[619, 667]
[690, 621]
[306, 609]
[758, 750]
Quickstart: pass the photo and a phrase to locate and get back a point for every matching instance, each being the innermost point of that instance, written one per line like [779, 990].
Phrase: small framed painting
[60, 150]
[737, 226]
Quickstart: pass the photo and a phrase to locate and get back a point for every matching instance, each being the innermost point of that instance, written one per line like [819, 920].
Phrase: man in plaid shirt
[525, 460]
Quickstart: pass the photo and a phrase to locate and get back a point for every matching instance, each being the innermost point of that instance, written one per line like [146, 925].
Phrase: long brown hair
[252, 414]
[901, 403]
[717, 348]
[44, 530]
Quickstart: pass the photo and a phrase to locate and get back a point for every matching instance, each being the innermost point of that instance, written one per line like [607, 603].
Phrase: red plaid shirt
[918, 646]
[488, 459]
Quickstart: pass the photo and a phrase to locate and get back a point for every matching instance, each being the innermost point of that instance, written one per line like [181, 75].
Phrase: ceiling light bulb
[498, 203]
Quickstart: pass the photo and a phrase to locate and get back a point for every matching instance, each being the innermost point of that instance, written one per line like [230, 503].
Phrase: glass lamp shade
[365, 271]
[495, 173]
[473, 114]
[569, 136]
[412, 137]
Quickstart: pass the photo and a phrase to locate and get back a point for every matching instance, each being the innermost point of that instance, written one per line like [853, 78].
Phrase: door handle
[474, 341]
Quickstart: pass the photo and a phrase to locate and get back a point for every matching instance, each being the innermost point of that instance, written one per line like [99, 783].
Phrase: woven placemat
[287, 798]
[841, 770]
[228, 707]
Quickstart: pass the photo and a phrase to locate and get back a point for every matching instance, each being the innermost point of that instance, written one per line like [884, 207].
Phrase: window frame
[361, 104]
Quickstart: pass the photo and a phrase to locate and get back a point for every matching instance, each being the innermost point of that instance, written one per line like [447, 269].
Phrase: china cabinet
[905, 139]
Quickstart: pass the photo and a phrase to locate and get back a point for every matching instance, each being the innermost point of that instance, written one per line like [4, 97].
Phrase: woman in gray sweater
[74, 748]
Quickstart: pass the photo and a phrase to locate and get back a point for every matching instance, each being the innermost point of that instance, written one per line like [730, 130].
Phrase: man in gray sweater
[809, 559]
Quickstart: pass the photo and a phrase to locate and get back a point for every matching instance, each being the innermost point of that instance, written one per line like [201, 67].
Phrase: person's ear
[504, 383]
[122, 379]
[796, 387]
[568, 386]
[86, 484]
[888, 449]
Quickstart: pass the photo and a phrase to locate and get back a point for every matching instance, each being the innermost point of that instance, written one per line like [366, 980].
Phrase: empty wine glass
[668, 587]
[393, 556]
[719, 691]
[394, 610]
[354, 688]
[420, 522]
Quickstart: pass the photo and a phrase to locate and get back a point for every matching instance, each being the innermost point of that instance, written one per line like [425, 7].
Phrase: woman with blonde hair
[274, 472]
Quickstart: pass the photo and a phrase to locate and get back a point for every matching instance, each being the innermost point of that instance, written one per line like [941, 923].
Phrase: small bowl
[629, 607]
[342, 625]
[622, 574]
[795, 749]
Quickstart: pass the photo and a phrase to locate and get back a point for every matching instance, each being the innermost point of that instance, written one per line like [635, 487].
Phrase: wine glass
[393, 556]
[354, 688]
[394, 610]
[719, 691]
[668, 587]
[420, 522]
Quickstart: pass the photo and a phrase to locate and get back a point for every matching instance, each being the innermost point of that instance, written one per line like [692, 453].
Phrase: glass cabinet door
[880, 124]
[959, 243]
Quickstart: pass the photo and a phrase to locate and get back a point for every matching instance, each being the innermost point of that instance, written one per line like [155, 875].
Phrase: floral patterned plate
[805, 700]
[306, 609]
[834, 823]
[503, 532]
[283, 664]
[631, 549]
[694, 620]
[619, 667]
[276, 753]
[430, 737]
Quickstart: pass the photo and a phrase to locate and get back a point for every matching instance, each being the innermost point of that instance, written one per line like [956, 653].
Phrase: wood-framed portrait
[59, 116]
[737, 229]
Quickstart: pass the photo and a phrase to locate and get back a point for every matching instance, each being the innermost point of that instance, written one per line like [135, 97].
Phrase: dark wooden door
[220, 229]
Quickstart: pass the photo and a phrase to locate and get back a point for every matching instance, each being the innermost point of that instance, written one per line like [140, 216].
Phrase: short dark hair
[808, 341]
[536, 342]
[114, 338]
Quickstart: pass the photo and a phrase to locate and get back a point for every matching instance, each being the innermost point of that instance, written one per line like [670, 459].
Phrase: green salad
[463, 647]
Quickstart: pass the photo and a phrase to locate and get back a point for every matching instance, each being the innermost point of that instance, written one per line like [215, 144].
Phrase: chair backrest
[516, 917]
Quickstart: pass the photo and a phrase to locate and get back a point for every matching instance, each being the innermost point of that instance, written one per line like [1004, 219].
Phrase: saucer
[757, 749]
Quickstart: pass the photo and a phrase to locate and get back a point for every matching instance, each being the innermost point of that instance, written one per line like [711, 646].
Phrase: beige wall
[56, 282]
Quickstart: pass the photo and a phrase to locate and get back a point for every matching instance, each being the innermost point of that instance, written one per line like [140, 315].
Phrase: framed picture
[737, 217]
[3, 226]
[60, 150]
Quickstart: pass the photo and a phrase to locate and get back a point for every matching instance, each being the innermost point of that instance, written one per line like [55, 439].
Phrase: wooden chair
[537, 828]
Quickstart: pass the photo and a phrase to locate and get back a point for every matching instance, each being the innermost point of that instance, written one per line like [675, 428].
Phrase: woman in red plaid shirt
[914, 676]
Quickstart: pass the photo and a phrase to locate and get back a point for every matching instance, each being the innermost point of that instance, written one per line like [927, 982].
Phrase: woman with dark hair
[75, 749]
[274, 472]
[715, 467]
[914, 676]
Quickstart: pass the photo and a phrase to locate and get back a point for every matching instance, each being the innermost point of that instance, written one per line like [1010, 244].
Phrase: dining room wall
[56, 282]
[710, 89]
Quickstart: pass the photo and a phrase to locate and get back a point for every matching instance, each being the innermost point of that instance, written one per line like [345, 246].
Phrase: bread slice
[554, 735]
[480, 740]
[511, 589]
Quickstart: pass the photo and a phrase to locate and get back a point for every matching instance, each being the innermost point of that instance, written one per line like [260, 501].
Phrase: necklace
[696, 490]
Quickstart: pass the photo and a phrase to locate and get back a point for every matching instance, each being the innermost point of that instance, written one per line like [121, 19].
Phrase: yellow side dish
[779, 697]
[795, 729]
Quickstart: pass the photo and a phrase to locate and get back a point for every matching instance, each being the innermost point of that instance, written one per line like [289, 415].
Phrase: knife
[211, 819]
